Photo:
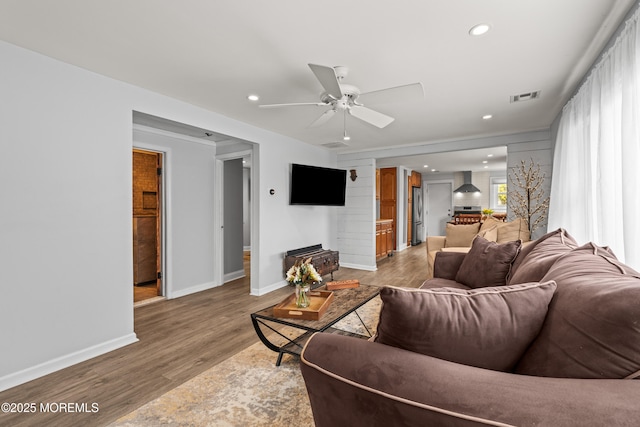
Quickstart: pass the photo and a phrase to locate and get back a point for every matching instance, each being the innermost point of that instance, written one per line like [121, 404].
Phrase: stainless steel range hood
[467, 187]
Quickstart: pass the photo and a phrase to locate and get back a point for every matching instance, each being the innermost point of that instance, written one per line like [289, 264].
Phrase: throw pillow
[487, 263]
[490, 233]
[593, 326]
[508, 231]
[460, 234]
[488, 328]
[489, 222]
[535, 259]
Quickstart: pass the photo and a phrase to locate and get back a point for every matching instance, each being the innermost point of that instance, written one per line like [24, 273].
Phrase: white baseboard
[21, 377]
[269, 288]
[191, 290]
[359, 266]
[228, 277]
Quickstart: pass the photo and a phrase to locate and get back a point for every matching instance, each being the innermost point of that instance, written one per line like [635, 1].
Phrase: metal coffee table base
[346, 301]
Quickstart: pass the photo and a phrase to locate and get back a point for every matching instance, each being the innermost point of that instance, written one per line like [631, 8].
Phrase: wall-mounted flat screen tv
[313, 185]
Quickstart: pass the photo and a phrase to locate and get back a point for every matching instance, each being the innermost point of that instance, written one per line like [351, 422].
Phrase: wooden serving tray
[319, 300]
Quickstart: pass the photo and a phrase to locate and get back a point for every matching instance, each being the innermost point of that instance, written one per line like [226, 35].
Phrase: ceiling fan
[346, 98]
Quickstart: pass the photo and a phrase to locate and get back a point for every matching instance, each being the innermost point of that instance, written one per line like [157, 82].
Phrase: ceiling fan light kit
[344, 98]
[480, 29]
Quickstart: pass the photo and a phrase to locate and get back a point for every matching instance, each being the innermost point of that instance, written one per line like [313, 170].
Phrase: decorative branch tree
[527, 199]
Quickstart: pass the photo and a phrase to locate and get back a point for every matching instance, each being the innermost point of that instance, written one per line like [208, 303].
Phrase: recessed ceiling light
[346, 138]
[485, 161]
[434, 170]
[487, 117]
[425, 166]
[489, 155]
[478, 30]
[253, 97]
[486, 167]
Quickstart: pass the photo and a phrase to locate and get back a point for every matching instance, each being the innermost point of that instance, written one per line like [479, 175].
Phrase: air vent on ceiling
[336, 144]
[528, 96]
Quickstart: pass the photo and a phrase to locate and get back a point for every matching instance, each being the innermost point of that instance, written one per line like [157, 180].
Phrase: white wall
[65, 213]
[356, 223]
[282, 226]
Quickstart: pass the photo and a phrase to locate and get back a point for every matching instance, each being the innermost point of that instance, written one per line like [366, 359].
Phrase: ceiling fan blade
[328, 79]
[405, 93]
[370, 116]
[323, 118]
[294, 104]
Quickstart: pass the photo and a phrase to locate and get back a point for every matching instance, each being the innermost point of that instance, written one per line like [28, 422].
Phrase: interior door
[388, 198]
[439, 204]
[147, 219]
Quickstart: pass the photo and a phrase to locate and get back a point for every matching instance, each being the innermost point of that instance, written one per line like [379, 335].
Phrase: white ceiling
[213, 53]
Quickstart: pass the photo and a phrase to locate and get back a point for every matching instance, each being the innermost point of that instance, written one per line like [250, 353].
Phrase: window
[498, 194]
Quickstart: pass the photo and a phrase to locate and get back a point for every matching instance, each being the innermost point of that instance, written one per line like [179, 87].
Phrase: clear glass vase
[302, 295]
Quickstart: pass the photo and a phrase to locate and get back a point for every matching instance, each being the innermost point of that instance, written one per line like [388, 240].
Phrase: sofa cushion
[487, 328]
[535, 259]
[460, 234]
[508, 231]
[487, 263]
[593, 326]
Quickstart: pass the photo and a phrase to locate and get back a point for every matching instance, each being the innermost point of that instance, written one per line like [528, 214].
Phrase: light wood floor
[179, 339]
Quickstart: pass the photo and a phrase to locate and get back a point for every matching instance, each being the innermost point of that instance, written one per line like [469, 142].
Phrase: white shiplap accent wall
[357, 220]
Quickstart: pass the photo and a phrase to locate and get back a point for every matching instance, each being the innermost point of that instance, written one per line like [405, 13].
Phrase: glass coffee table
[344, 302]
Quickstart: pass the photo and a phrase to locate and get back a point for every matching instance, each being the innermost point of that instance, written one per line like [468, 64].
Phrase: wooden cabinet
[384, 238]
[388, 198]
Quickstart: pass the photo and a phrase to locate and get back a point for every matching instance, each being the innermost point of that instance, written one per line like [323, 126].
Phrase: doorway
[147, 225]
[236, 254]
[439, 202]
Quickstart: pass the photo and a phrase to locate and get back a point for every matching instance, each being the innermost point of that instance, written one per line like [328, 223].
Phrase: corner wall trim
[21, 377]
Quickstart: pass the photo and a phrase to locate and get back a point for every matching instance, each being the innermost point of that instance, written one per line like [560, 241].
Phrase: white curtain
[595, 189]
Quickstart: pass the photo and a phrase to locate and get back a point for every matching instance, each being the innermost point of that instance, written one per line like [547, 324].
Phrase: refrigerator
[417, 216]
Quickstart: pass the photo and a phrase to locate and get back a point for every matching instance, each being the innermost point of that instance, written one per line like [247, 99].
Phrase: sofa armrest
[354, 382]
[435, 243]
[447, 264]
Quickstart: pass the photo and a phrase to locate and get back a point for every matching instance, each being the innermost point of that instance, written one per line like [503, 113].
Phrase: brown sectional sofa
[549, 337]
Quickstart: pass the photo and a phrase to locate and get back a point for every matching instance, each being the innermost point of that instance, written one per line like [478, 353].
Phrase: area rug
[245, 390]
